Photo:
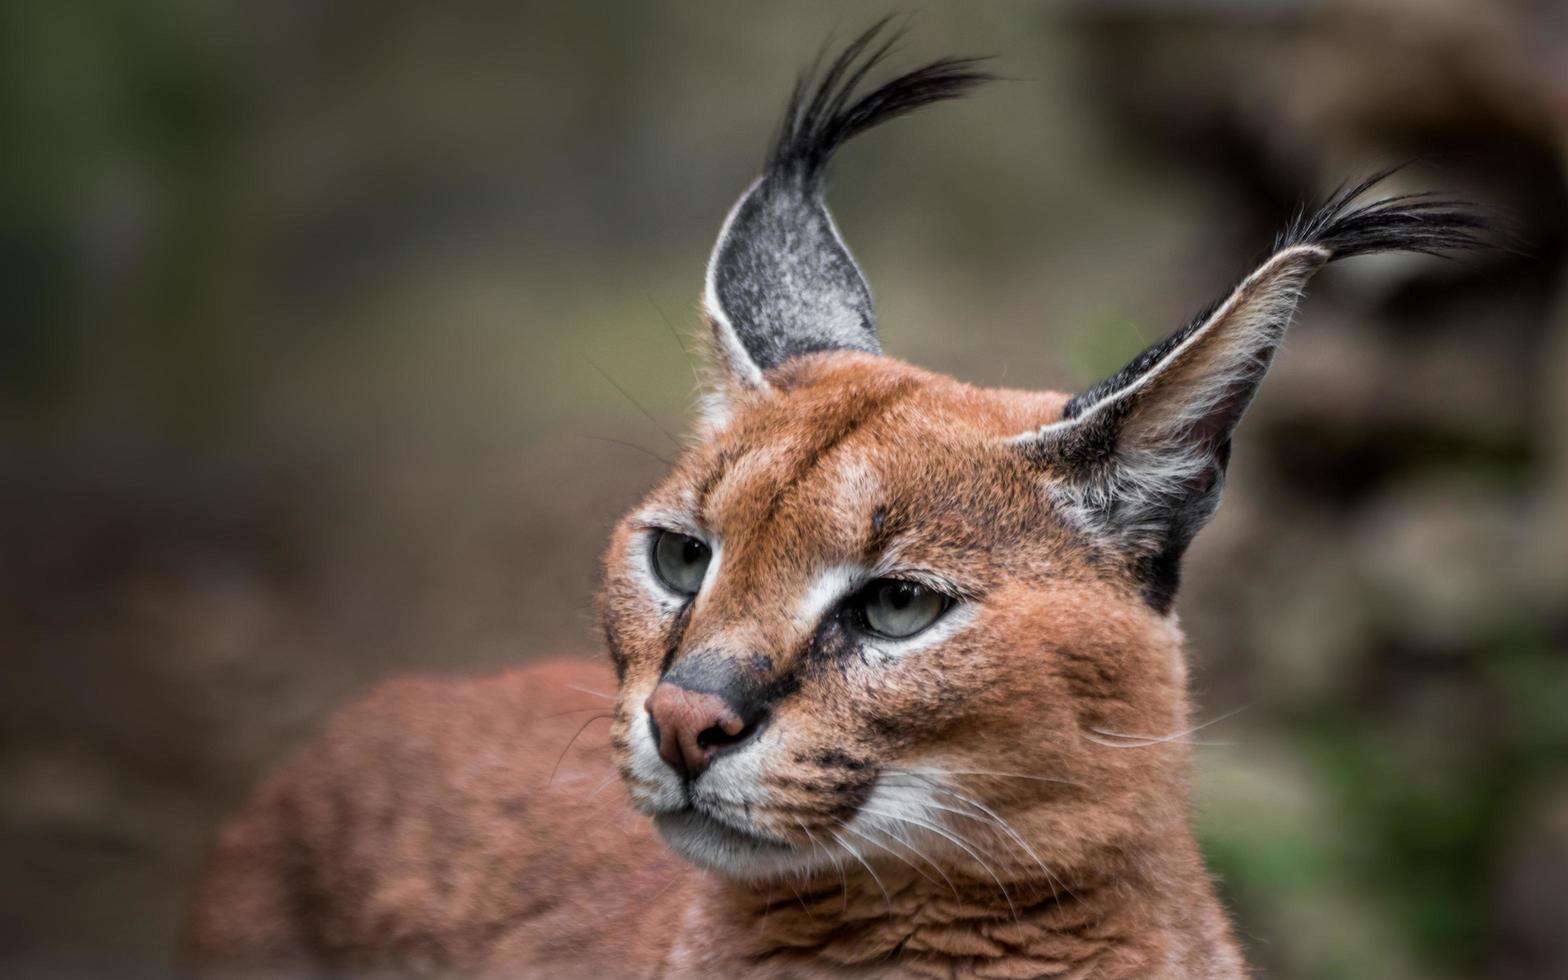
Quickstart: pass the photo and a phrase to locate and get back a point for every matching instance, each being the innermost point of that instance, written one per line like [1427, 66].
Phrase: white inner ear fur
[1227, 351]
[1250, 332]
[1154, 456]
[737, 364]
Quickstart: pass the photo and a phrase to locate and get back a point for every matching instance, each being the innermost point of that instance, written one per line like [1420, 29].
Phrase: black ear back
[781, 283]
[1138, 461]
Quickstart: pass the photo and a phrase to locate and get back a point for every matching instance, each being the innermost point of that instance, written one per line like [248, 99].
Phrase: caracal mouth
[722, 847]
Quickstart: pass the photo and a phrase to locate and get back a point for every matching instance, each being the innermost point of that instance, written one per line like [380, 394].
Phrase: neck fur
[1146, 910]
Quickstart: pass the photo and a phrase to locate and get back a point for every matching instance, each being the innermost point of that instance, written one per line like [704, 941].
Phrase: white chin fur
[716, 847]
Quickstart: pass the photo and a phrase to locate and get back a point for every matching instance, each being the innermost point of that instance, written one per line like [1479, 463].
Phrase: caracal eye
[895, 608]
[681, 561]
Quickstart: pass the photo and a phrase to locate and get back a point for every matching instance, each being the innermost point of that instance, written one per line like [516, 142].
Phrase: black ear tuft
[1425, 222]
[781, 282]
[824, 115]
[1139, 458]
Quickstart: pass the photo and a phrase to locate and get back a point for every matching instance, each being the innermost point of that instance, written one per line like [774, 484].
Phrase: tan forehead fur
[838, 437]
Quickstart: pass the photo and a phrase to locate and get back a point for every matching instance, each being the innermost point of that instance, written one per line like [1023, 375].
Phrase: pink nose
[691, 727]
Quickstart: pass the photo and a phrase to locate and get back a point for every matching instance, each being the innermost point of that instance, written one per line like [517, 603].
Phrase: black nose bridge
[746, 681]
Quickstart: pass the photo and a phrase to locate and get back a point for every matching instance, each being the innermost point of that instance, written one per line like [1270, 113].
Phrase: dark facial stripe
[672, 640]
[617, 656]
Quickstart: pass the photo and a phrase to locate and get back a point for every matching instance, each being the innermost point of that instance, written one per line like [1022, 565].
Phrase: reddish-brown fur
[423, 831]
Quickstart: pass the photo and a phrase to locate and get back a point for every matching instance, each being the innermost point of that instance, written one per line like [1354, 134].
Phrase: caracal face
[850, 472]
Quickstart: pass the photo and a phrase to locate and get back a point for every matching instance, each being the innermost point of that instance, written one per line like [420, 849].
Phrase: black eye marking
[617, 656]
[672, 640]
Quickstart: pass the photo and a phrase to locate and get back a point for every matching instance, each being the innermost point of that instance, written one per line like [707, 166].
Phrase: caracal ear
[781, 283]
[1138, 460]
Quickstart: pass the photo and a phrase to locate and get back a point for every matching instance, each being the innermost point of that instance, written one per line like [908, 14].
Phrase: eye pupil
[896, 608]
[681, 561]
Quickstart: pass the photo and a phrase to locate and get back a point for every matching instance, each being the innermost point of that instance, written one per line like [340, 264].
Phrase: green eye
[895, 608]
[681, 561]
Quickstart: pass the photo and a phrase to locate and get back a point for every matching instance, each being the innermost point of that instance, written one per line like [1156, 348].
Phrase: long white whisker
[600, 788]
[584, 690]
[1008, 828]
[816, 845]
[957, 842]
[837, 863]
[980, 817]
[936, 785]
[864, 864]
[801, 900]
[830, 855]
[767, 909]
[890, 835]
[883, 847]
[1142, 741]
[987, 772]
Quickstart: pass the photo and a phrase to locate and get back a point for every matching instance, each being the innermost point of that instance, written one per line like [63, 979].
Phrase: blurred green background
[308, 310]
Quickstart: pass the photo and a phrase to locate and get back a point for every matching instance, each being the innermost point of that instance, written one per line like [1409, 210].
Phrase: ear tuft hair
[822, 117]
[781, 283]
[1139, 459]
[1424, 222]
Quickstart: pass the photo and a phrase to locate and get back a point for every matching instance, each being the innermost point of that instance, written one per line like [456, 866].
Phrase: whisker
[803, 906]
[988, 772]
[767, 909]
[602, 806]
[865, 864]
[815, 845]
[570, 711]
[668, 885]
[902, 842]
[843, 878]
[933, 828]
[962, 813]
[630, 445]
[562, 757]
[1008, 828]
[690, 363]
[1143, 741]
[638, 405]
[881, 846]
[584, 690]
[1150, 743]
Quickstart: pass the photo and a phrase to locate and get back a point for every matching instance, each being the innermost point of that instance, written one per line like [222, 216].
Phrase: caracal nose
[691, 727]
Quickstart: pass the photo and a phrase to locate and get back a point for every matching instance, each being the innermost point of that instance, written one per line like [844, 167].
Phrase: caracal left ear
[781, 283]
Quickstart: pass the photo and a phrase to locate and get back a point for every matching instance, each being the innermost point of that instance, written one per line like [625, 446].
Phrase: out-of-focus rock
[1438, 563]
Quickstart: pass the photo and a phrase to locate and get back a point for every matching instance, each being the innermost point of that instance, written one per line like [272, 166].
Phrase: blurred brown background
[306, 307]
